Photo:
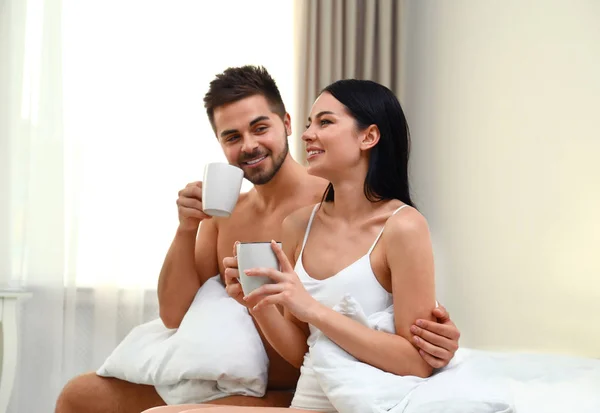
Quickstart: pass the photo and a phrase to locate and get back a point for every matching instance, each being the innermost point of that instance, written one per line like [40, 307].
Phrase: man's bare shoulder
[244, 197]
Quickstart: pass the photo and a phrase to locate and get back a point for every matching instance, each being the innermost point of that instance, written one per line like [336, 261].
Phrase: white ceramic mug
[255, 255]
[221, 188]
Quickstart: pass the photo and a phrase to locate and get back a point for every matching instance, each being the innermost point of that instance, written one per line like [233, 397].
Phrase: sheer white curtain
[102, 123]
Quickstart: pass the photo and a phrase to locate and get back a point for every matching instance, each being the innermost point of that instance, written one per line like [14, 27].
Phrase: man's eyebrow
[258, 119]
[228, 132]
[252, 123]
[322, 113]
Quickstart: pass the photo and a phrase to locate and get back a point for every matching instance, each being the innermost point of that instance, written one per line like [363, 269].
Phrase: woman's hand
[288, 291]
[232, 275]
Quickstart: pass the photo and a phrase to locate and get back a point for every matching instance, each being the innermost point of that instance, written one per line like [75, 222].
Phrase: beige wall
[503, 98]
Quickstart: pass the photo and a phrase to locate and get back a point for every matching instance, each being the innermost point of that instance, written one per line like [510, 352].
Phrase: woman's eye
[325, 122]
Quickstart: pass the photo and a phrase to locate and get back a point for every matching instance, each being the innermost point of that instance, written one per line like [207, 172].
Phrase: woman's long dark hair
[370, 103]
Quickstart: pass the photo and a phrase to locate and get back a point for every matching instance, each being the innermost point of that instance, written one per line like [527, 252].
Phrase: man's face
[253, 138]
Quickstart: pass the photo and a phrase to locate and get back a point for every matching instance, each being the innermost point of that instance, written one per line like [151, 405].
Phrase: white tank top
[357, 279]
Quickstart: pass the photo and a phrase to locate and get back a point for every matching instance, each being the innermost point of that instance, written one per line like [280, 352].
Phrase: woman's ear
[370, 138]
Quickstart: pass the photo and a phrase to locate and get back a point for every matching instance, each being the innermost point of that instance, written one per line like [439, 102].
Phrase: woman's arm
[286, 337]
[410, 259]
[285, 332]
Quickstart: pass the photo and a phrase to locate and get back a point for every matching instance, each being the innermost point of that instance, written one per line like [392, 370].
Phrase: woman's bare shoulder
[297, 221]
[293, 230]
[407, 225]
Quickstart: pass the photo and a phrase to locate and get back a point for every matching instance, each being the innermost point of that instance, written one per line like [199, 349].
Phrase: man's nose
[249, 144]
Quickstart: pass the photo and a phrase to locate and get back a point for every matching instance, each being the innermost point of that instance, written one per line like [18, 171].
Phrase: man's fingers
[189, 203]
[192, 213]
[441, 313]
[195, 183]
[432, 361]
[191, 191]
[434, 339]
[435, 351]
[446, 330]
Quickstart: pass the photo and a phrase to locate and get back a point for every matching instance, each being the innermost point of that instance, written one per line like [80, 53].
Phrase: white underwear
[309, 394]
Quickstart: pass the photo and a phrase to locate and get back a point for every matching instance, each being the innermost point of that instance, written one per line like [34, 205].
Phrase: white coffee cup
[255, 255]
[221, 188]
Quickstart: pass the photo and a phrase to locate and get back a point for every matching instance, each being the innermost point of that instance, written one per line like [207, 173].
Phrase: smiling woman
[105, 125]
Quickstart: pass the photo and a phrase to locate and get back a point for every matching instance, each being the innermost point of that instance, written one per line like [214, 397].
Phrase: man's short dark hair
[237, 83]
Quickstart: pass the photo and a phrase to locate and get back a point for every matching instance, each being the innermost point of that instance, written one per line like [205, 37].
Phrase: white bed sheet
[529, 383]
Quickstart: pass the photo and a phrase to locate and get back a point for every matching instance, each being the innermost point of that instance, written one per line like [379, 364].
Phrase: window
[134, 74]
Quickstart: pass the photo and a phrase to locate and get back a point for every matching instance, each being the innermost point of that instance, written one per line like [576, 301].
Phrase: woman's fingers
[231, 275]
[284, 263]
[234, 290]
[268, 300]
[263, 290]
[272, 273]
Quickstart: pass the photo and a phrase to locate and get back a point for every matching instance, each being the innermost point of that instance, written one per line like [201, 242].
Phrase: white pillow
[356, 387]
[466, 385]
[215, 352]
[353, 386]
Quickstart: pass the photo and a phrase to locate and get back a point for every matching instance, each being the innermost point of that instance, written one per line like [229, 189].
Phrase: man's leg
[90, 393]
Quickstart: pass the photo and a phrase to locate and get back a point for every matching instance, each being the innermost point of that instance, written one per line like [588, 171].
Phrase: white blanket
[474, 382]
[215, 352]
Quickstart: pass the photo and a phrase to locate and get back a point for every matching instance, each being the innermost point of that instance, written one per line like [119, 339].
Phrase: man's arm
[190, 260]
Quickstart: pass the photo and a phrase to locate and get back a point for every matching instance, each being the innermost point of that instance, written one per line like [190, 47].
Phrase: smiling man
[249, 119]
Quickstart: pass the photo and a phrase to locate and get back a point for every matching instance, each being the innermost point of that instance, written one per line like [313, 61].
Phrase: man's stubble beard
[266, 176]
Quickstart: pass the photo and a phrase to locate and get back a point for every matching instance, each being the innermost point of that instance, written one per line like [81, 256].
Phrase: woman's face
[332, 139]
